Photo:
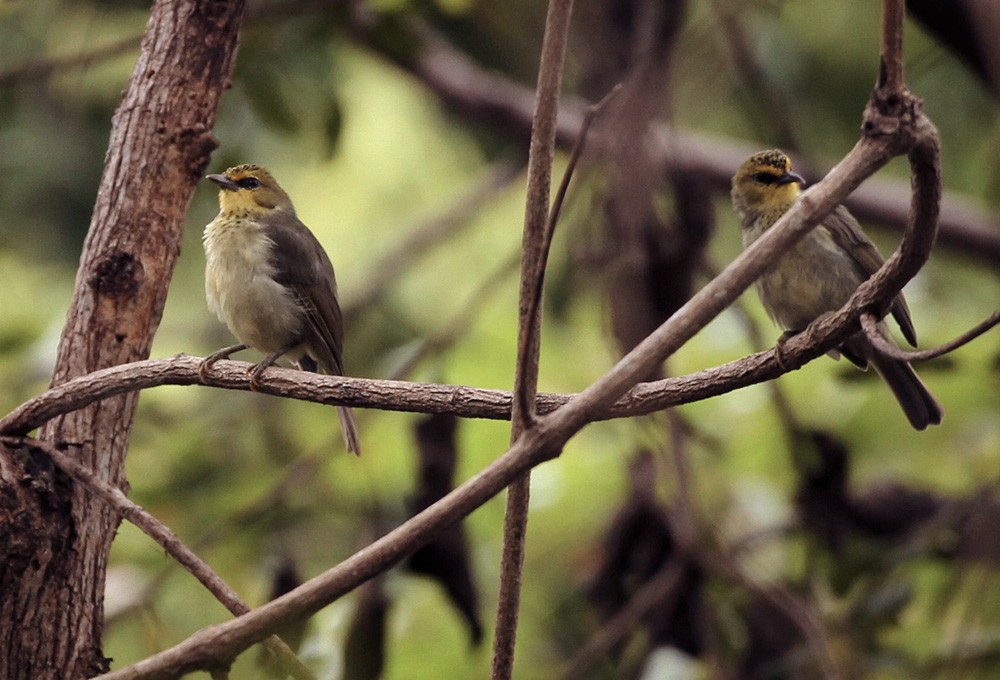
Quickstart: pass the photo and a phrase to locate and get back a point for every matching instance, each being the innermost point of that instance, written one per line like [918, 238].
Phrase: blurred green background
[368, 154]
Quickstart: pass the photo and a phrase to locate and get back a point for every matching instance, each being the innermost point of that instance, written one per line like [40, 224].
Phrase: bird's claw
[255, 374]
[204, 367]
[206, 364]
[779, 349]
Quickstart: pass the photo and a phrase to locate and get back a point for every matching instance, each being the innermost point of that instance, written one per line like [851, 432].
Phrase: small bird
[270, 281]
[819, 274]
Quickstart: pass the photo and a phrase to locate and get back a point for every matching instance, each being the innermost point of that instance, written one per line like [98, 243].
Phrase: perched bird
[819, 274]
[271, 282]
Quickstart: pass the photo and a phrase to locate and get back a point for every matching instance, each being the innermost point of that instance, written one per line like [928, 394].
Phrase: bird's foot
[206, 365]
[255, 374]
[779, 349]
[257, 371]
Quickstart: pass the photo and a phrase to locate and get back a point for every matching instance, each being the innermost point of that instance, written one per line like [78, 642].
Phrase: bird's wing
[848, 235]
[302, 266]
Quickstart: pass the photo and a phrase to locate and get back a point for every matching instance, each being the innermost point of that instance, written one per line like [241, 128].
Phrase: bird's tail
[350, 428]
[919, 405]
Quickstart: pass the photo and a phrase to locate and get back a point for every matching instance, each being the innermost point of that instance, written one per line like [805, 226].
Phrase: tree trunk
[54, 536]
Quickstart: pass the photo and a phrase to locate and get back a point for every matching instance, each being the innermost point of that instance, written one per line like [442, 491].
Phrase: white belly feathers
[241, 289]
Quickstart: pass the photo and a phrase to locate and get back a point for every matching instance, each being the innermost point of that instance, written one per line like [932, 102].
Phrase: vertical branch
[891, 54]
[541, 151]
[159, 146]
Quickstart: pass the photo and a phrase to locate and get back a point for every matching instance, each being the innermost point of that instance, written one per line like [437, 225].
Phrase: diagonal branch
[410, 247]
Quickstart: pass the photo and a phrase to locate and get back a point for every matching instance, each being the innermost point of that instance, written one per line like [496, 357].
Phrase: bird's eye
[765, 178]
[248, 183]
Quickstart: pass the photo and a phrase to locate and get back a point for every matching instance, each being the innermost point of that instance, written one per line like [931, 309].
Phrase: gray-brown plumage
[271, 282]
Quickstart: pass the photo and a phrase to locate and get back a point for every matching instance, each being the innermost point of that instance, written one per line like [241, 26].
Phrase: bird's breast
[241, 288]
[814, 277]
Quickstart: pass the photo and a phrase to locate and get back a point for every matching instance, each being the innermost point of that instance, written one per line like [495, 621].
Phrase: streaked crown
[765, 184]
[250, 188]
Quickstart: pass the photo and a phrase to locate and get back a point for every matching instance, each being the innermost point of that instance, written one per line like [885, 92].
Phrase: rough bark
[54, 536]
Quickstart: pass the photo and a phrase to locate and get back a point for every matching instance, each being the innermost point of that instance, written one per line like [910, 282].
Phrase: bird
[819, 274]
[269, 280]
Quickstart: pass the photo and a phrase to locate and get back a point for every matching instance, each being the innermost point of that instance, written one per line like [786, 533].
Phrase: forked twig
[579, 145]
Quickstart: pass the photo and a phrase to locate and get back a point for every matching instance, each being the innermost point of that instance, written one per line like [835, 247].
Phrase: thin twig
[167, 540]
[533, 261]
[781, 597]
[44, 67]
[891, 56]
[869, 323]
[766, 94]
[557, 204]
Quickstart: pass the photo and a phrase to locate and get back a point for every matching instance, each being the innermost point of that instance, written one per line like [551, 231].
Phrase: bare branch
[534, 255]
[890, 76]
[869, 323]
[651, 595]
[449, 333]
[44, 67]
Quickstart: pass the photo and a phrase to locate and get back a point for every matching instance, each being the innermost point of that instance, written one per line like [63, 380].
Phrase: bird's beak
[790, 177]
[223, 182]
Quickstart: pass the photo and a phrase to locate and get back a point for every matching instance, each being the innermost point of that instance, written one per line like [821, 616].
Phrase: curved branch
[869, 323]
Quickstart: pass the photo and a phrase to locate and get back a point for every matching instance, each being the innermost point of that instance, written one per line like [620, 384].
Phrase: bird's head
[765, 183]
[249, 189]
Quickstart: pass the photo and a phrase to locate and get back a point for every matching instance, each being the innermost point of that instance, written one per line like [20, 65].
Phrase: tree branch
[408, 249]
[159, 146]
[45, 66]
[534, 255]
[650, 596]
[869, 323]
